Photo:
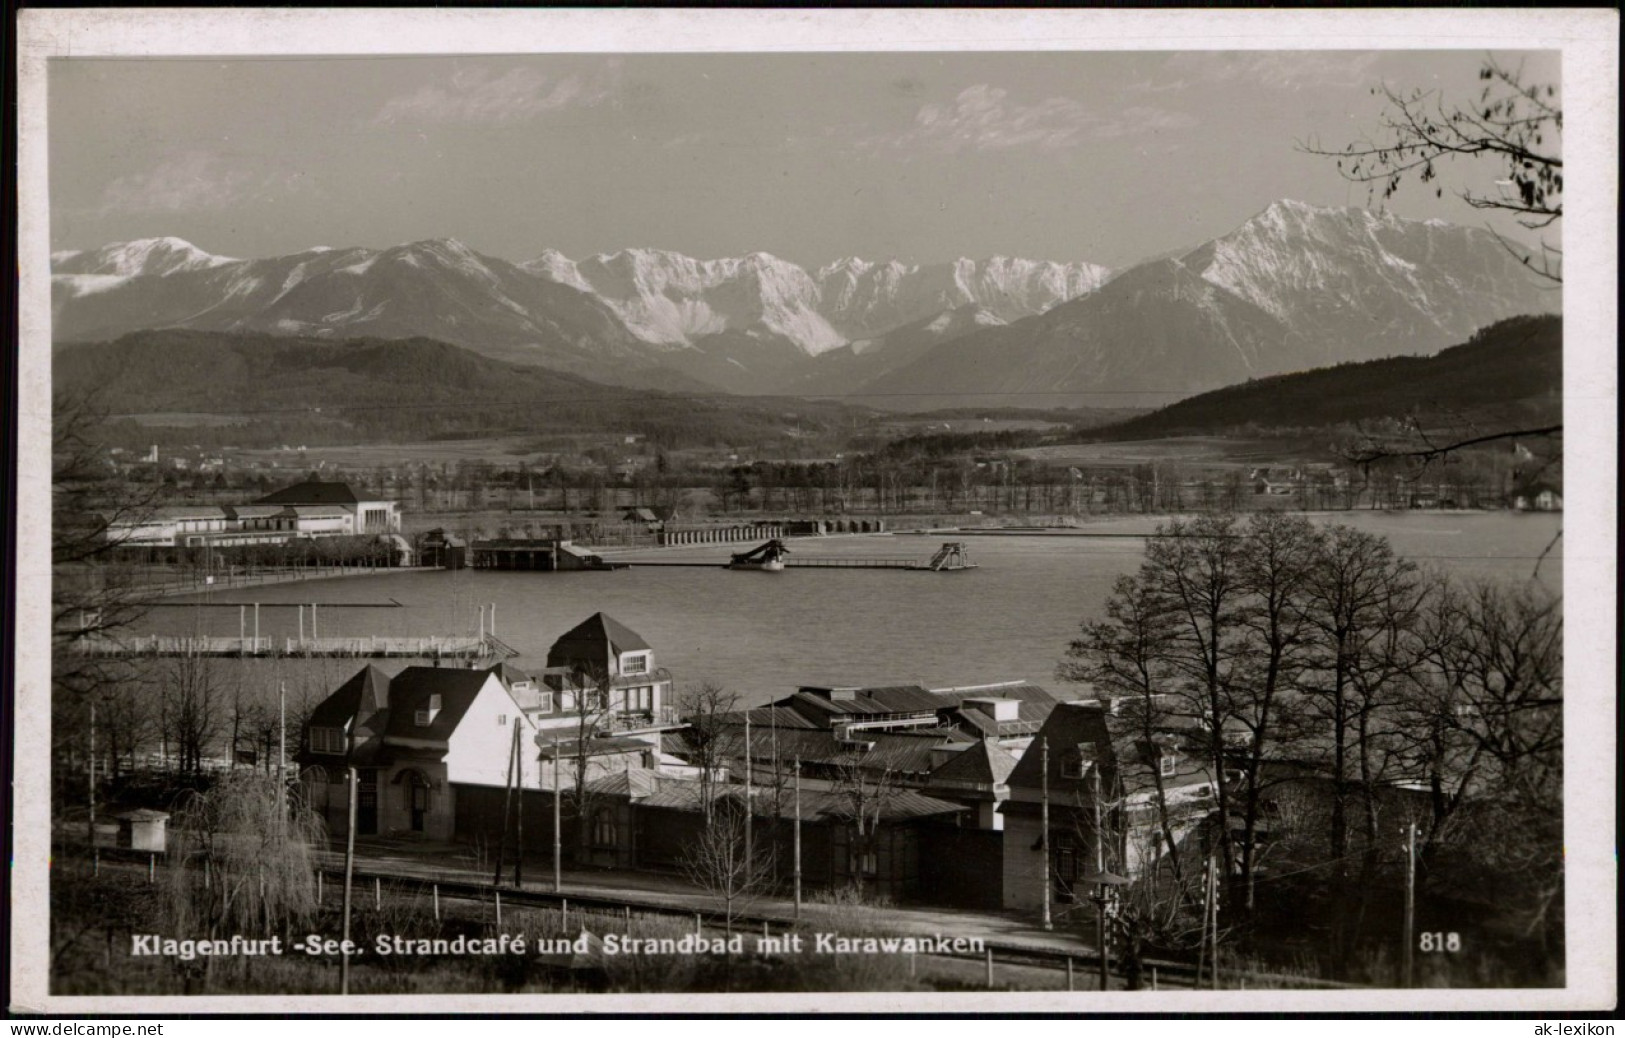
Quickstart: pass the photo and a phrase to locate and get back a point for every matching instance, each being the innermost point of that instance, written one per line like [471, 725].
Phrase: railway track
[1082, 963]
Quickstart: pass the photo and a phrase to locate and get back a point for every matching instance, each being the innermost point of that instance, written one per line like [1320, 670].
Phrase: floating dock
[951, 557]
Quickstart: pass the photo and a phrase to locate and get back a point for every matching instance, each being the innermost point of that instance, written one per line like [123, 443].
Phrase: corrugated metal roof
[563, 742]
[675, 794]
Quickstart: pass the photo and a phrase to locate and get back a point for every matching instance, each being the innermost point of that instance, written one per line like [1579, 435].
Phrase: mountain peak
[142, 256]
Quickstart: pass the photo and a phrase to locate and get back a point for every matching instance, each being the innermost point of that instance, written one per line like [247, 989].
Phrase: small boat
[769, 558]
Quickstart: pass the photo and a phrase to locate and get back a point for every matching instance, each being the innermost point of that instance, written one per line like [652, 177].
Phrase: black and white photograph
[797, 511]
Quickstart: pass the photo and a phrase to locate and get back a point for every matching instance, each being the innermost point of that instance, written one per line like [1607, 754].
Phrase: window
[603, 828]
[865, 863]
[327, 740]
[1168, 764]
[638, 664]
[1072, 766]
[544, 702]
[502, 719]
[431, 710]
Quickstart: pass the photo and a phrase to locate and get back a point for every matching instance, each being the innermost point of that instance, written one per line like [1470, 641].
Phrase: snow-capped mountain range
[1294, 286]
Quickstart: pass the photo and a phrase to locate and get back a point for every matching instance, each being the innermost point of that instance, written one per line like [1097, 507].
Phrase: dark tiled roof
[593, 641]
[410, 691]
[365, 693]
[311, 492]
[1070, 725]
[985, 762]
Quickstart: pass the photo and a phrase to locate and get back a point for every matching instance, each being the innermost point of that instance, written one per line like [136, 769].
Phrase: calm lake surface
[764, 634]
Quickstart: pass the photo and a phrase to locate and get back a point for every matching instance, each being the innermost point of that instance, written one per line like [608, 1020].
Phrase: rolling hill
[1508, 375]
[360, 390]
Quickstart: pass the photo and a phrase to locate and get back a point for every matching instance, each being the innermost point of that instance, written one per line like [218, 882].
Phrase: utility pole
[519, 766]
[558, 796]
[1407, 978]
[349, 875]
[1213, 913]
[92, 785]
[507, 804]
[748, 810]
[1201, 944]
[281, 753]
[1043, 824]
[797, 830]
[1100, 886]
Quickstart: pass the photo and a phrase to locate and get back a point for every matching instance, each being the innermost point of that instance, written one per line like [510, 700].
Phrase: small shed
[142, 829]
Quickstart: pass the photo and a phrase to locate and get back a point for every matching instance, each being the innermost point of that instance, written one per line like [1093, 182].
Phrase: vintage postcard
[556, 511]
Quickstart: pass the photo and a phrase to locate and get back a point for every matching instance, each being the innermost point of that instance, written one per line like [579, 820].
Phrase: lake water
[764, 634]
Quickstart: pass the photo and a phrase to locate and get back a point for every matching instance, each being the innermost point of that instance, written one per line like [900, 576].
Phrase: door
[420, 800]
[366, 803]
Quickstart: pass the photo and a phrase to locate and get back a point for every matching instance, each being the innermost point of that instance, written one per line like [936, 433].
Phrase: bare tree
[1194, 567]
[725, 863]
[94, 593]
[862, 795]
[1516, 122]
[587, 697]
[193, 710]
[1276, 556]
[1350, 588]
[1126, 657]
[711, 712]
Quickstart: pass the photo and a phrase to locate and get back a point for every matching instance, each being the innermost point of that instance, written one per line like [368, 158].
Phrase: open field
[1213, 451]
[507, 449]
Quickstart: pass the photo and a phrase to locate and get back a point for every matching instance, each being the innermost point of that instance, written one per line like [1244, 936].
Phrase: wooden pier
[468, 647]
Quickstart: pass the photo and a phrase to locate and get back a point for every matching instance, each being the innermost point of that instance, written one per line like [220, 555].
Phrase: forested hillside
[255, 389]
[1511, 370]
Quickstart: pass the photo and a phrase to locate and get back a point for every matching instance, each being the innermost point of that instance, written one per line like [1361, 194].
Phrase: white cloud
[477, 96]
[984, 118]
[1280, 69]
[204, 181]
[192, 180]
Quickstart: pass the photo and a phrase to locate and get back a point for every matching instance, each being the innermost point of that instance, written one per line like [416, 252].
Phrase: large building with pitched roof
[310, 509]
[414, 739]
[1089, 762]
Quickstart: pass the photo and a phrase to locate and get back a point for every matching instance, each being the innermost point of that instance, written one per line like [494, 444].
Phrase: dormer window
[1076, 761]
[635, 664]
[427, 714]
[1168, 764]
[327, 740]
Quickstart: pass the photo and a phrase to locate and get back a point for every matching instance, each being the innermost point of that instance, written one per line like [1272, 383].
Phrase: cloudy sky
[1106, 157]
